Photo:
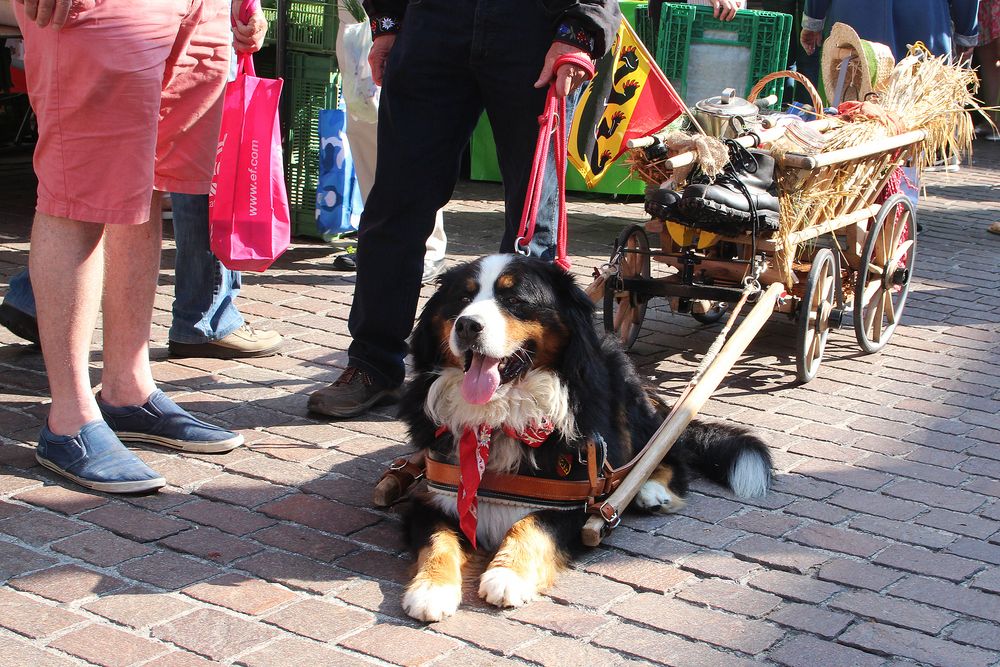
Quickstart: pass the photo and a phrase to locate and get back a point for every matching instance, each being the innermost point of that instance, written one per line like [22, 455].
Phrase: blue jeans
[204, 291]
[450, 62]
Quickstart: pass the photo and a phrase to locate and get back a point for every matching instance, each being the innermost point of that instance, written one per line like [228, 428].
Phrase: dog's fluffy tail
[728, 455]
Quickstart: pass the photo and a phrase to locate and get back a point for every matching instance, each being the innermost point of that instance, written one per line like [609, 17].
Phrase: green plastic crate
[644, 28]
[312, 25]
[702, 55]
[312, 85]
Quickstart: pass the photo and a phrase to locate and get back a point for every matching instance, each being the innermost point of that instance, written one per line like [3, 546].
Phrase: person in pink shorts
[129, 100]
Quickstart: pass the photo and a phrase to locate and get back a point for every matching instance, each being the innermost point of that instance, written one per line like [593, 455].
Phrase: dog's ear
[582, 363]
[425, 341]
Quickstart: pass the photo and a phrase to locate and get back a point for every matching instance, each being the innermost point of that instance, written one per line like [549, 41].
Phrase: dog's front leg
[526, 564]
[436, 590]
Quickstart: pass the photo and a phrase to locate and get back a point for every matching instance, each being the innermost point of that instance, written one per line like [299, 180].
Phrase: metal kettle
[726, 115]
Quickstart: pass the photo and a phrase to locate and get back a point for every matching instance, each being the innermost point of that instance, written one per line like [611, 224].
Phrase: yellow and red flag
[628, 98]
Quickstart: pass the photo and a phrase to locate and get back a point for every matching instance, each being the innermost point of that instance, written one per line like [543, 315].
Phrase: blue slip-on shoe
[96, 458]
[160, 421]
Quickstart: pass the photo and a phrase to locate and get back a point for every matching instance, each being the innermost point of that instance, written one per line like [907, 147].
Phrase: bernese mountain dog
[507, 358]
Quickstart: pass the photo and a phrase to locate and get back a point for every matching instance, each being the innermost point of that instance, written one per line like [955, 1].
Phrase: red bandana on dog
[473, 454]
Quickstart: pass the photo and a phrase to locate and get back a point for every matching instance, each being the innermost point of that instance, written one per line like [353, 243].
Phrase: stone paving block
[653, 645]
[734, 632]
[877, 504]
[729, 596]
[563, 651]
[561, 619]
[400, 645]
[31, 618]
[134, 524]
[297, 652]
[793, 586]
[818, 510]
[587, 590]
[860, 575]
[320, 513]
[949, 596]
[486, 631]
[376, 596]
[892, 611]
[988, 581]
[916, 646]
[806, 651]
[815, 620]
[935, 495]
[40, 528]
[305, 541]
[237, 490]
[214, 634]
[762, 523]
[19, 652]
[902, 531]
[977, 633]
[378, 565]
[138, 607]
[294, 571]
[243, 594]
[959, 522]
[322, 621]
[66, 583]
[842, 540]
[167, 570]
[639, 573]
[976, 549]
[778, 554]
[101, 548]
[223, 516]
[107, 646]
[61, 499]
[177, 658]
[914, 559]
[211, 544]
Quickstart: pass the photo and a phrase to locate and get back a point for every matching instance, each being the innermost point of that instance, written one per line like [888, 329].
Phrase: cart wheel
[624, 310]
[713, 314]
[883, 279]
[814, 314]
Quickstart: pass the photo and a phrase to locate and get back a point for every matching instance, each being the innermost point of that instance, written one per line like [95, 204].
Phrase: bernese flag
[628, 98]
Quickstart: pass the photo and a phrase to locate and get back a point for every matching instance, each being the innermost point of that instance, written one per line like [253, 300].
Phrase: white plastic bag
[359, 90]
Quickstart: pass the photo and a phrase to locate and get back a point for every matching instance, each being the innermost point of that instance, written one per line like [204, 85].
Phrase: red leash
[552, 121]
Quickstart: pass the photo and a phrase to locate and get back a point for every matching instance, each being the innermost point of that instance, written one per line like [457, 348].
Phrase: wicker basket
[790, 74]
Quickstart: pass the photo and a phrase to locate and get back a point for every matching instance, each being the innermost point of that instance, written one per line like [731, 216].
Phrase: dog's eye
[512, 300]
[466, 299]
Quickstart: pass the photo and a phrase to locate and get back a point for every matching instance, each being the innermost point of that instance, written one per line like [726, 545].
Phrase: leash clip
[521, 246]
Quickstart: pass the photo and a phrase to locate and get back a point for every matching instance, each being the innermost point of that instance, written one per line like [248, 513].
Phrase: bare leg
[436, 590]
[131, 268]
[527, 563]
[66, 264]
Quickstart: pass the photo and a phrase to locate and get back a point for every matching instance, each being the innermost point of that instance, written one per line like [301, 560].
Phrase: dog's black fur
[604, 394]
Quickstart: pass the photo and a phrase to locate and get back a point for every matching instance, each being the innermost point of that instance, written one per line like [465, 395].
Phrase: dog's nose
[467, 329]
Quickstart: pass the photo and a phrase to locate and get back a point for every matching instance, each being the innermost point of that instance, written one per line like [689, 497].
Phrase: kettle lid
[728, 104]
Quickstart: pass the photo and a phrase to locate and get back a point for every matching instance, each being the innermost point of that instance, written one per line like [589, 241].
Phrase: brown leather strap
[405, 472]
[526, 486]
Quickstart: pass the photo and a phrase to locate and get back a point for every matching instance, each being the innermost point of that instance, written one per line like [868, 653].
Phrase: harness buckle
[609, 514]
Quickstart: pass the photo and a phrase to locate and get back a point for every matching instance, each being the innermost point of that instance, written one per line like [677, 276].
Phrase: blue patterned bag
[338, 197]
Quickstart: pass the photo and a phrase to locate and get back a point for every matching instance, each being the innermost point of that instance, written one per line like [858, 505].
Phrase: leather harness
[600, 483]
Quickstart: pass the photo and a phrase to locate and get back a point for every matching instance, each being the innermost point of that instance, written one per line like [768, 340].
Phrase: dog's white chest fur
[519, 405]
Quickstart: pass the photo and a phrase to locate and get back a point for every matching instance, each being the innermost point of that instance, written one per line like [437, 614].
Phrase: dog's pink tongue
[481, 380]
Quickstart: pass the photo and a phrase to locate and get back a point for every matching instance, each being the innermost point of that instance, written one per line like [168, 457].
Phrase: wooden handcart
[855, 252]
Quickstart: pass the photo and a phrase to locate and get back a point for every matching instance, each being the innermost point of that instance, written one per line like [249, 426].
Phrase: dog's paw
[430, 602]
[502, 587]
[656, 498]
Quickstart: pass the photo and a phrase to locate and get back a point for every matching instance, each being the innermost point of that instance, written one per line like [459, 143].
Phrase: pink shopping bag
[248, 205]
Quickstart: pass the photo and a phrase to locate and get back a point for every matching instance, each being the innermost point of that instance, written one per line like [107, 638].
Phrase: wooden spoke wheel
[883, 280]
[624, 309]
[813, 324]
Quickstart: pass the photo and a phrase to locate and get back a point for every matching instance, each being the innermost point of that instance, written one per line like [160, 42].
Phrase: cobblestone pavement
[879, 544]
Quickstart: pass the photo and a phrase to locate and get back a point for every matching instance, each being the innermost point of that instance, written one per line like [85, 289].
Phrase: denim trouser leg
[449, 63]
[19, 295]
[205, 289]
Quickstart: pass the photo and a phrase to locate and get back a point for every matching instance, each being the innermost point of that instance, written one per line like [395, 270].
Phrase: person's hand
[810, 40]
[378, 56]
[569, 76]
[725, 10]
[47, 12]
[248, 37]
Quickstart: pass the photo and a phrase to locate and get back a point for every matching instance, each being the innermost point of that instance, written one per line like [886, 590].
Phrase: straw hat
[869, 72]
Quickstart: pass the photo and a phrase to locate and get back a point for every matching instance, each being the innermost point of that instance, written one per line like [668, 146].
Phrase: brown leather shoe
[243, 343]
[353, 393]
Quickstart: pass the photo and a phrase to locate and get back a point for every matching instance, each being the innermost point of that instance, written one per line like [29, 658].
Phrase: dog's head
[500, 317]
